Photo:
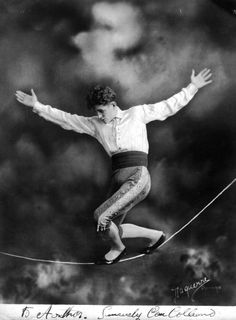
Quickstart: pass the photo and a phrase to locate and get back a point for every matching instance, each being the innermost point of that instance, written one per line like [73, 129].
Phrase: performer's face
[106, 112]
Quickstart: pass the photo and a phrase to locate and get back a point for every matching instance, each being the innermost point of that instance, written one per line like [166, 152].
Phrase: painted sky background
[52, 179]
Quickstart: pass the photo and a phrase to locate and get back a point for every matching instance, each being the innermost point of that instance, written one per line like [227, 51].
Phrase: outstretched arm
[64, 119]
[168, 107]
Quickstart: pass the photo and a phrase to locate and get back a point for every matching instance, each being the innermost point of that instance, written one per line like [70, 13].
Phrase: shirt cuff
[192, 89]
[38, 106]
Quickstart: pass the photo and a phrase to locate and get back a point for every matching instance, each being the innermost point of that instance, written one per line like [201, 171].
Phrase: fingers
[101, 227]
[20, 96]
[33, 93]
[205, 72]
[207, 77]
[207, 82]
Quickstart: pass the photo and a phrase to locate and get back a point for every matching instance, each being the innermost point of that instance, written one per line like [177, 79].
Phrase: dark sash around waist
[129, 159]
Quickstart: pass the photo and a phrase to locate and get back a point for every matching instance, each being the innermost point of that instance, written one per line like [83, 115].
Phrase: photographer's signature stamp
[191, 289]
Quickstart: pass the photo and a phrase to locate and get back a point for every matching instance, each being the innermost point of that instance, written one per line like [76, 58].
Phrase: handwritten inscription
[180, 312]
[50, 314]
[156, 312]
[116, 312]
[107, 312]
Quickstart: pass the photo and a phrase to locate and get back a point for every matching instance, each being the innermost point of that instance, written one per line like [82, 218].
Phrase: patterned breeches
[129, 187]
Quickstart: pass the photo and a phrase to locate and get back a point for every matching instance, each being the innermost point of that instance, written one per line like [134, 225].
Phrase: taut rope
[126, 259]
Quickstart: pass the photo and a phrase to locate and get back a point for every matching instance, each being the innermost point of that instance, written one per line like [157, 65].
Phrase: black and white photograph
[117, 161]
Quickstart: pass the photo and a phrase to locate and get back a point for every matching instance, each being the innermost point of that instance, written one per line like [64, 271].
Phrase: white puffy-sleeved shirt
[127, 131]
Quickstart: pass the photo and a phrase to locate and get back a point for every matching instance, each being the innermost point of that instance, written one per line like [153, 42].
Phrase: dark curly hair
[100, 95]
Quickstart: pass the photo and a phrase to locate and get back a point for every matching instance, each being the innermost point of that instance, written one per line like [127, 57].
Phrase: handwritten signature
[154, 312]
[191, 289]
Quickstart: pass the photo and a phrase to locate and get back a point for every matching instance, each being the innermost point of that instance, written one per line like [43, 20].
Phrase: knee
[96, 215]
[147, 188]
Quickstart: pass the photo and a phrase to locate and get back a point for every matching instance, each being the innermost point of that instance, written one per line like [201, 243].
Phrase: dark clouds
[52, 179]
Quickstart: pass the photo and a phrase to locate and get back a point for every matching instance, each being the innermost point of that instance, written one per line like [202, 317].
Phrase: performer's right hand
[26, 99]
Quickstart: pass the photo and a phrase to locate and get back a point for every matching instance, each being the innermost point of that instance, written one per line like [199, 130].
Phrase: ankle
[118, 248]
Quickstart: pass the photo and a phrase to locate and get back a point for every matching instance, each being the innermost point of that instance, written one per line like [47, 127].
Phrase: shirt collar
[119, 113]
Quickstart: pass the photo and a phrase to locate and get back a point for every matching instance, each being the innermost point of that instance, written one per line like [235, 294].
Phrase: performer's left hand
[102, 224]
[202, 79]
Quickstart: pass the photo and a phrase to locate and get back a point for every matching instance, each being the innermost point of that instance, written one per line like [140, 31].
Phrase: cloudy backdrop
[51, 180]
